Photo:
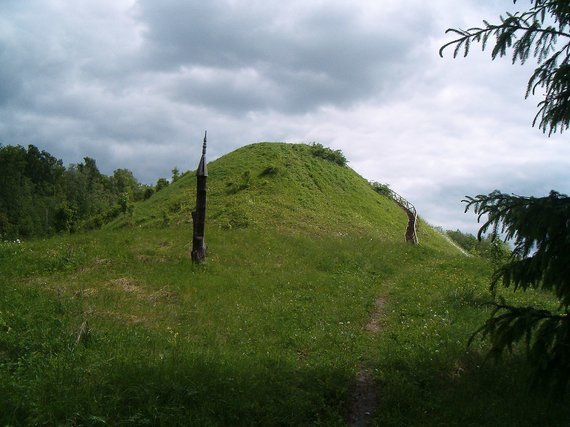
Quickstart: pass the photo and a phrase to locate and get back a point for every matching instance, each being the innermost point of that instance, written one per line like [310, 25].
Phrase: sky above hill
[134, 84]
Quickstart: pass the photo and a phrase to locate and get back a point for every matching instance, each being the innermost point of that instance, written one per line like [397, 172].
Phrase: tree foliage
[39, 196]
[160, 184]
[539, 227]
[30, 182]
[540, 32]
[380, 188]
[540, 231]
[335, 156]
[488, 247]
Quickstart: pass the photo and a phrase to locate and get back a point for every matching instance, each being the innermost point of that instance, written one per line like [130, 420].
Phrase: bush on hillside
[383, 189]
[335, 156]
[160, 184]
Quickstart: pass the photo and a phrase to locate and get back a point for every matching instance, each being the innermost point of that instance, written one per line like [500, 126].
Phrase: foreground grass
[428, 375]
[245, 339]
[119, 328]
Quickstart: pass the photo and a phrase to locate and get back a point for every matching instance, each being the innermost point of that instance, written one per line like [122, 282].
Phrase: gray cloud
[135, 83]
[289, 58]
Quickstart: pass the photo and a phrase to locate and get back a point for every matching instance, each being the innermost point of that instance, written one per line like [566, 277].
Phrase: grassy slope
[271, 331]
[283, 188]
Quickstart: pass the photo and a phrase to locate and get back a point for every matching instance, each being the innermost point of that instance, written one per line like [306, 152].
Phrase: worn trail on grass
[365, 394]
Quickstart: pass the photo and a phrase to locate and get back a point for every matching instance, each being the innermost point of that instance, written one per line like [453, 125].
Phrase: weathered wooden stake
[199, 215]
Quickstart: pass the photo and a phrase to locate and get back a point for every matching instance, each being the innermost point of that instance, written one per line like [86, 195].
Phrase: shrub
[383, 189]
[160, 184]
[335, 156]
[148, 192]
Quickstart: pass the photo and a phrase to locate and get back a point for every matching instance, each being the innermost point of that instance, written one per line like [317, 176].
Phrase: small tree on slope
[539, 227]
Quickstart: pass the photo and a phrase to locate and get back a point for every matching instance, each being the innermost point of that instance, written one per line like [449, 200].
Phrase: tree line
[489, 246]
[40, 197]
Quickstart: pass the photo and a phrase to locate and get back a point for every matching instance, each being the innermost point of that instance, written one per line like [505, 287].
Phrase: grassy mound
[284, 188]
[118, 327]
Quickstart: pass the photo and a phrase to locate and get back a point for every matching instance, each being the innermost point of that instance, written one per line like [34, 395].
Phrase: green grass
[281, 187]
[254, 339]
[271, 330]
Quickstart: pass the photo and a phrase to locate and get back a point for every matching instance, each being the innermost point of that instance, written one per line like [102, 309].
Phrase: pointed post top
[202, 168]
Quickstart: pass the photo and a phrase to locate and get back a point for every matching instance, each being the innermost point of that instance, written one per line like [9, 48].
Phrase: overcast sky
[134, 84]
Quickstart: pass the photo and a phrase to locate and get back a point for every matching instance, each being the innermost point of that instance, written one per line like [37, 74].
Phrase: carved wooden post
[411, 235]
[199, 215]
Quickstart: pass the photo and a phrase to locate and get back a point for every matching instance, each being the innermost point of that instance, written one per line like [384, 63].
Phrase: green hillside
[285, 188]
[310, 304]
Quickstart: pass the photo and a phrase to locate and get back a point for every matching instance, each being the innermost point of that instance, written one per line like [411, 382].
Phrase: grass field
[117, 327]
